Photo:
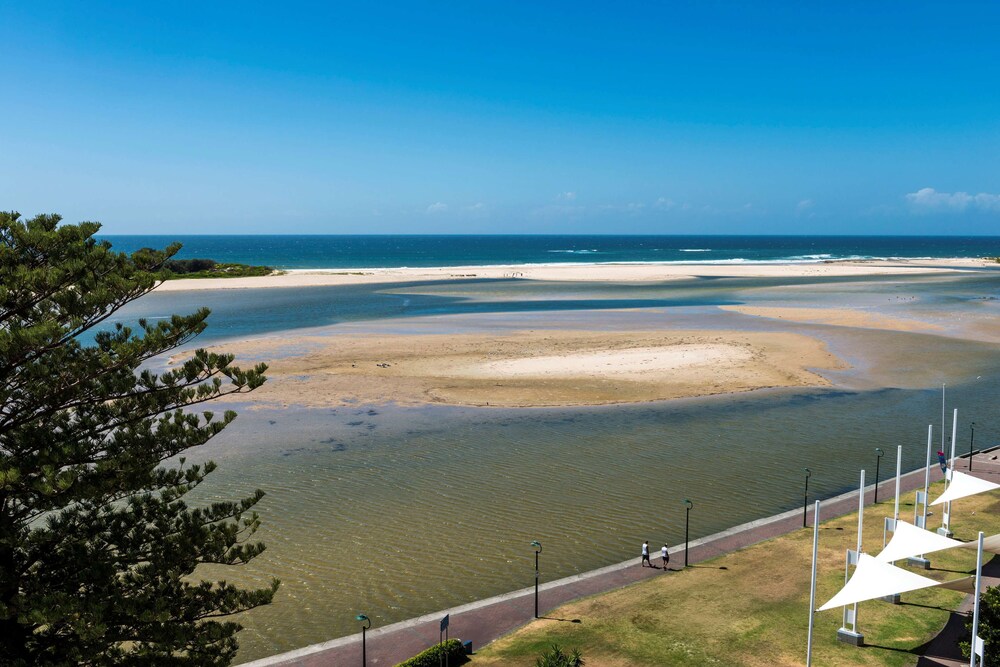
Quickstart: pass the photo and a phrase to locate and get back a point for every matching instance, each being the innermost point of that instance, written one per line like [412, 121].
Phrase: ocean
[396, 511]
[369, 251]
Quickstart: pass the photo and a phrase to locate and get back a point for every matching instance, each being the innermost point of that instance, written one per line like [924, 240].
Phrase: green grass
[755, 611]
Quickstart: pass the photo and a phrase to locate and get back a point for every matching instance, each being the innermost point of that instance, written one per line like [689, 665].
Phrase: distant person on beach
[943, 461]
[645, 555]
[666, 555]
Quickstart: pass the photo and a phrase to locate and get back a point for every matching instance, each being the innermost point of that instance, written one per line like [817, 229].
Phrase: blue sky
[491, 118]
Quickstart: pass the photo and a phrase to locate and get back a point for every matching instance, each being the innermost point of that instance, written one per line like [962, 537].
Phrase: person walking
[666, 555]
[943, 461]
[645, 555]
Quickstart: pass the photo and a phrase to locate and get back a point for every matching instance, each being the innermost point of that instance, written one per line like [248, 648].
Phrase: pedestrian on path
[666, 555]
[645, 555]
[943, 461]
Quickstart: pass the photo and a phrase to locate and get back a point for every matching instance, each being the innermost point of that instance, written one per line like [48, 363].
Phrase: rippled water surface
[394, 512]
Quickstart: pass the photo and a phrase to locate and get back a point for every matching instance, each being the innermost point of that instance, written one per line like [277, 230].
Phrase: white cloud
[437, 207]
[664, 204]
[566, 196]
[804, 205]
[929, 199]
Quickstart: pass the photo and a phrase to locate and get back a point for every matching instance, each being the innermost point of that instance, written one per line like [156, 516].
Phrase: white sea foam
[695, 250]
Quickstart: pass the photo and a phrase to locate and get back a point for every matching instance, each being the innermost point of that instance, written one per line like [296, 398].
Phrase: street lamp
[805, 496]
[363, 619]
[878, 459]
[687, 523]
[972, 439]
[538, 550]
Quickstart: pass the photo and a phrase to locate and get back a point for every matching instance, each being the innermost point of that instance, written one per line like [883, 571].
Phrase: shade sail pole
[946, 514]
[812, 586]
[976, 643]
[852, 636]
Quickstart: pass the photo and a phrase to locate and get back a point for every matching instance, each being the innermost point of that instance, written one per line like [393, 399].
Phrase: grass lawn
[750, 607]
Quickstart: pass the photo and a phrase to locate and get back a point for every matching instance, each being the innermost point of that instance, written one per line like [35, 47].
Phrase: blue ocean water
[358, 251]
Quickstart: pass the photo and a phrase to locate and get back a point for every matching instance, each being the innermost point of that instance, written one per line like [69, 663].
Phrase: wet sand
[530, 368]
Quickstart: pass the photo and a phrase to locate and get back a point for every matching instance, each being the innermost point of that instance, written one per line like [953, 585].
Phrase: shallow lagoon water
[397, 511]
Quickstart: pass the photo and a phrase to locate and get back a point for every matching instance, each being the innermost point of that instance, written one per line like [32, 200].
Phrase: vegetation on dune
[175, 269]
[99, 552]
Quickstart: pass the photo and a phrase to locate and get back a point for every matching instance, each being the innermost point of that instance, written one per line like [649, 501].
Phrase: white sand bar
[635, 364]
[577, 272]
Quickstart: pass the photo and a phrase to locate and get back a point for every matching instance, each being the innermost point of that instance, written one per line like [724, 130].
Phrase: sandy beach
[562, 367]
[579, 272]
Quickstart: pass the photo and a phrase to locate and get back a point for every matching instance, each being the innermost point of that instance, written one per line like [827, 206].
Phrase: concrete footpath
[486, 620]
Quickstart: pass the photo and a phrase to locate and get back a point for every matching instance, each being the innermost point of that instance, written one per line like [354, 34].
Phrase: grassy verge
[750, 607]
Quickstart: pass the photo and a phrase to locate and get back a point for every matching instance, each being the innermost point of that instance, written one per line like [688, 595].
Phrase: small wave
[814, 257]
[695, 250]
[576, 252]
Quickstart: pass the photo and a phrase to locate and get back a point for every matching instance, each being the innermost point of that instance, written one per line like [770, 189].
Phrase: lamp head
[808, 472]
[537, 545]
[363, 619]
[688, 503]
[878, 451]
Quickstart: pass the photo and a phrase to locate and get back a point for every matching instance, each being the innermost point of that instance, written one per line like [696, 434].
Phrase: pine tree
[98, 549]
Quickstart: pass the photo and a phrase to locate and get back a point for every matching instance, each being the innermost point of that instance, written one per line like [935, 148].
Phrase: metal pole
[687, 523]
[954, 434]
[927, 471]
[878, 460]
[943, 425]
[536, 584]
[972, 439]
[812, 587]
[975, 605]
[951, 465]
[805, 498]
[364, 651]
[899, 470]
[861, 518]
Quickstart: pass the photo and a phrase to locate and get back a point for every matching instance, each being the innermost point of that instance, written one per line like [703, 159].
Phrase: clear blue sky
[478, 117]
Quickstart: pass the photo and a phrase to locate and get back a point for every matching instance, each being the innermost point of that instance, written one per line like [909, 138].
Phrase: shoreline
[583, 272]
[486, 620]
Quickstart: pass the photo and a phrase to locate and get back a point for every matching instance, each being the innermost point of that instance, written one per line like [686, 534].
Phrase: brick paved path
[486, 620]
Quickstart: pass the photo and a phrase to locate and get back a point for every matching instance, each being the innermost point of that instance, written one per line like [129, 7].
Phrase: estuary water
[396, 511]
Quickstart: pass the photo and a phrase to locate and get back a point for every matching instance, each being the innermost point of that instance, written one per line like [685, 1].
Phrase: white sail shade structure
[908, 540]
[874, 579]
[990, 544]
[962, 485]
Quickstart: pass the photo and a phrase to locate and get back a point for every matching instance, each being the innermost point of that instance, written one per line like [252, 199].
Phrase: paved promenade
[486, 620]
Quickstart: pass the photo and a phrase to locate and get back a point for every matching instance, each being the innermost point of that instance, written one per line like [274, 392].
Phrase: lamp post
[972, 439]
[805, 497]
[367, 623]
[878, 459]
[687, 523]
[538, 549]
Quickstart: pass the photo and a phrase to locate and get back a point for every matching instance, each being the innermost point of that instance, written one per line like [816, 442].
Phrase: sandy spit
[530, 368]
[577, 272]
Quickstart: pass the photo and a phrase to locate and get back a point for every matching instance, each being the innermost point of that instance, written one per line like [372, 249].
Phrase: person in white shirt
[666, 555]
[645, 555]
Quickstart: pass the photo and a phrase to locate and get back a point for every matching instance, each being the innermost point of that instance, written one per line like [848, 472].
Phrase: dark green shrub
[554, 657]
[989, 622]
[433, 657]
